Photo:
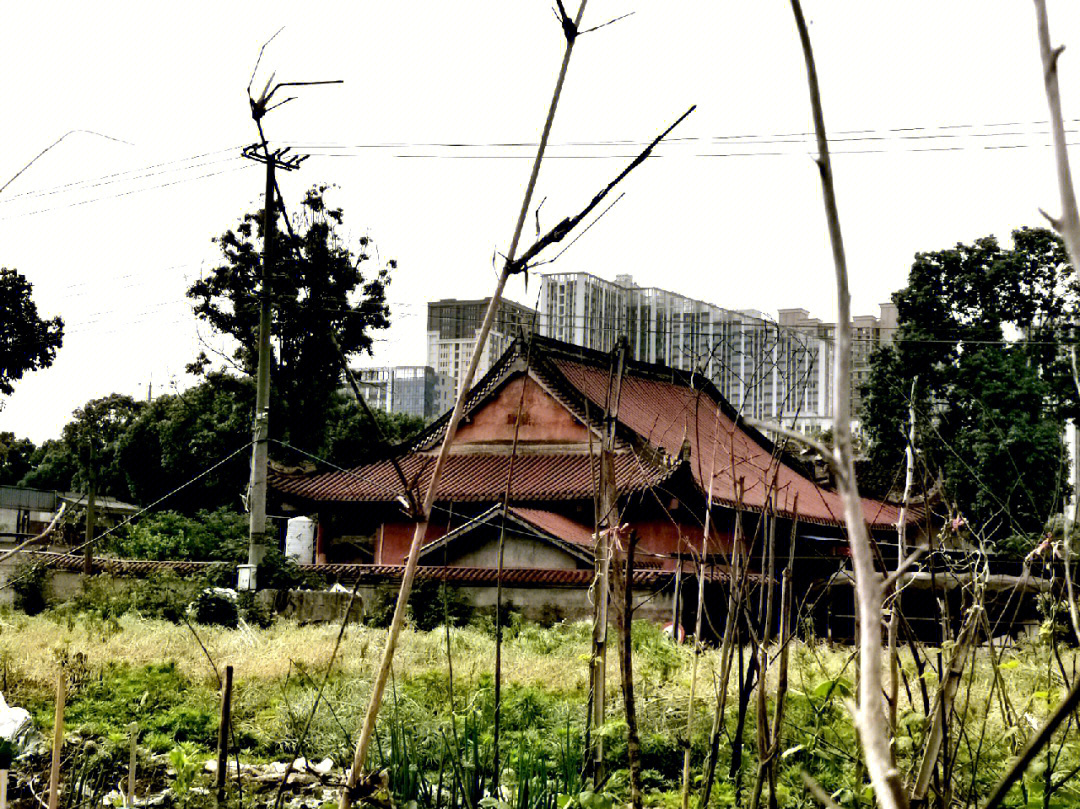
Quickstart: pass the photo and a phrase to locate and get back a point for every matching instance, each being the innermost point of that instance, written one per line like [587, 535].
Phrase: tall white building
[780, 370]
[452, 326]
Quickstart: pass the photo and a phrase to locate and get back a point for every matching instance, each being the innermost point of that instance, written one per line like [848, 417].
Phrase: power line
[897, 134]
[950, 131]
[123, 176]
[127, 193]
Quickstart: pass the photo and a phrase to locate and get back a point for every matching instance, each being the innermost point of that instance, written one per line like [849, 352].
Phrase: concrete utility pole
[261, 438]
[261, 432]
[91, 521]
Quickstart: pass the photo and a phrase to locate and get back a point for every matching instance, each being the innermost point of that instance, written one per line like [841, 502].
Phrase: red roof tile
[473, 477]
[557, 525]
[664, 413]
[658, 410]
[488, 575]
[108, 564]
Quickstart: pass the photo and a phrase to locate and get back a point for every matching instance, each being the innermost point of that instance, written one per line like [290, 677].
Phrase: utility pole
[260, 152]
[91, 520]
[607, 521]
[261, 433]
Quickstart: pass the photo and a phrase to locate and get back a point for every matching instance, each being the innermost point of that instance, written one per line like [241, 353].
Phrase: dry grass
[34, 646]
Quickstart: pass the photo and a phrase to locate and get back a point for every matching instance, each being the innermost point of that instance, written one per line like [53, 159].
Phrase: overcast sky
[936, 110]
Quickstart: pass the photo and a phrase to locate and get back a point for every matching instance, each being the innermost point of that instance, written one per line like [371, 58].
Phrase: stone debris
[304, 772]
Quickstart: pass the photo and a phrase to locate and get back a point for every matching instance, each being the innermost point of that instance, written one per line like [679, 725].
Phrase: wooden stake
[3, 788]
[223, 733]
[367, 728]
[134, 730]
[58, 739]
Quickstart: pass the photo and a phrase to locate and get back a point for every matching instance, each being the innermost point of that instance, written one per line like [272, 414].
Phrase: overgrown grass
[437, 731]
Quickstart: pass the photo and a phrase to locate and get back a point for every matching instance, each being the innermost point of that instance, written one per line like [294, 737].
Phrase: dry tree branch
[817, 446]
[379, 685]
[43, 535]
[818, 792]
[1041, 739]
[870, 718]
[1068, 227]
[560, 231]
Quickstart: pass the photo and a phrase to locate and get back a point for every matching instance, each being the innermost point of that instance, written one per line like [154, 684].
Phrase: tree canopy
[982, 333]
[15, 458]
[27, 342]
[319, 293]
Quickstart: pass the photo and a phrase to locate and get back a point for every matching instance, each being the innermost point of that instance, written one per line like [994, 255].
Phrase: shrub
[214, 608]
[431, 604]
[29, 581]
[105, 598]
[208, 536]
[253, 611]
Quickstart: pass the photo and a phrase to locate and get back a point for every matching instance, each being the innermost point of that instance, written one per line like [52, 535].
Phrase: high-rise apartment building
[452, 326]
[777, 370]
[417, 390]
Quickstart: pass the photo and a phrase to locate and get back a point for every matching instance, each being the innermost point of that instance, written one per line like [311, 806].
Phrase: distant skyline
[936, 113]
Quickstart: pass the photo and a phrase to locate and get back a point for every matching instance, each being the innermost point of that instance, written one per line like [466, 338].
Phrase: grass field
[438, 730]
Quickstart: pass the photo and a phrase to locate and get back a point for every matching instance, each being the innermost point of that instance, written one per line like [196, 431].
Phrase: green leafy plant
[29, 582]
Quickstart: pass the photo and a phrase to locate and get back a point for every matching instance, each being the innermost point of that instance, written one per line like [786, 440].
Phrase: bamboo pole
[379, 686]
[633, 740]
[223, 733]
[58, 739]
[697, 620]
[130, 795]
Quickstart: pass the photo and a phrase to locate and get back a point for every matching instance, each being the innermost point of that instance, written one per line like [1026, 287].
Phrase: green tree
[52, 466]
[319, 292]
[15, 458]
[350, 436]
[92, 440]
[178, 436]
[982, 328]
[26, 341]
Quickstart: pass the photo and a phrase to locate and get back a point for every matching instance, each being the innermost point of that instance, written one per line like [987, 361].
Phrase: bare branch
[42, 536]
[255, 69]
[559, 232]
[902, 568]
[367, 728]
[1068, 226]
[818, 792]
[1040, 740]
[870, 718]
[609, 22]
[818, 447]
[584, 230]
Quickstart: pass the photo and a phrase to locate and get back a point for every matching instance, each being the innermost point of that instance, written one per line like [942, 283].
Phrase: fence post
[134, 728]
[223, 733]
[58, 739]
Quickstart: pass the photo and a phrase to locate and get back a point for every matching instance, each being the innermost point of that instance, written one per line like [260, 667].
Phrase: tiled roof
[108, 564]
[557, 525]
[659, 409]
[478, 477]
[369, 573]
[664, 413]
[488, 575]
[546, 526]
